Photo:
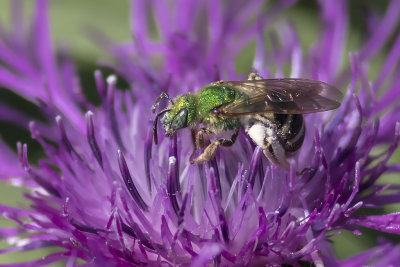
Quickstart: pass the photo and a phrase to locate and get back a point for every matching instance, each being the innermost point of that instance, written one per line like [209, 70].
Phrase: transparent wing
[285, 96]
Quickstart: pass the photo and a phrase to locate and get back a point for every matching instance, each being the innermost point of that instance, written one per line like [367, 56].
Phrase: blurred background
[69, 22]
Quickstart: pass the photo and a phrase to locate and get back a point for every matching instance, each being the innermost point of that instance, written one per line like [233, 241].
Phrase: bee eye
[180, 120]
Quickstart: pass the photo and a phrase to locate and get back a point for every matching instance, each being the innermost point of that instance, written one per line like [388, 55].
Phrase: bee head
[180, 114]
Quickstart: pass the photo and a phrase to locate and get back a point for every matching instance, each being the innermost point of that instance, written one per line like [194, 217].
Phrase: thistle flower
[106, 195]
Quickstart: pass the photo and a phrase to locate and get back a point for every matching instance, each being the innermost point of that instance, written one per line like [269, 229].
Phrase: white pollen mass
[257, 133]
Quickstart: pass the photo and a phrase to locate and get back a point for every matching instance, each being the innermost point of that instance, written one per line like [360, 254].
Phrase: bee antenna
[155, 124]
[161, 96]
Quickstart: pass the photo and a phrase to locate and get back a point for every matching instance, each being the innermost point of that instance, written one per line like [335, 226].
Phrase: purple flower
[108, 196]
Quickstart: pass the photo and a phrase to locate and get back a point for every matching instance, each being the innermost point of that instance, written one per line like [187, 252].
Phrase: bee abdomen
[264, 134]
[280, 135]
[291, 130]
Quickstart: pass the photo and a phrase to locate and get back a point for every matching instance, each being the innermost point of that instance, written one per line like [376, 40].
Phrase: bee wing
[284, 96]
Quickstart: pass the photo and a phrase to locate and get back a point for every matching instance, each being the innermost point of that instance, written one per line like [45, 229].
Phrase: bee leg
[200, 137]
[193, 135]
[161, 96]
[265, 135]
[276, 154]
[212, 148]
[198, 140]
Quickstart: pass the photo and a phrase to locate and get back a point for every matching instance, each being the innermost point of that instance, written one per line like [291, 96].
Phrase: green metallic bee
[269, 110]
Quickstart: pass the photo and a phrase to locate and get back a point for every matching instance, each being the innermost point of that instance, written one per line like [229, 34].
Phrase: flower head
[107, 195]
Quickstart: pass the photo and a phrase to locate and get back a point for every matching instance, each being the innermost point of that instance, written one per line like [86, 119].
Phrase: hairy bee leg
[193, 135]
[212, 148]
[276, 154]
[200, 137]
[198, 140]
[161, 96]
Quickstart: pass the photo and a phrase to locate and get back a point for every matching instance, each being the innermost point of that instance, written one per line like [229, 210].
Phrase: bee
[269, 110]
